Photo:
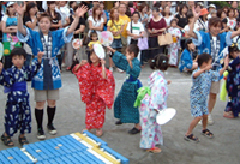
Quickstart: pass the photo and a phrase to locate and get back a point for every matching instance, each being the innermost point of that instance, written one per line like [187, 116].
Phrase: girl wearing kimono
[174, 48]
[17, 110]
[233, 82]
[186, 60]
[96, 86]
[123, 105]
[154, 100]
[48, 79]
[212, 42]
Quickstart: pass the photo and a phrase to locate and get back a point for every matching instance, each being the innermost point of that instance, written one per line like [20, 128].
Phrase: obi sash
[17, 86]
[138, 81]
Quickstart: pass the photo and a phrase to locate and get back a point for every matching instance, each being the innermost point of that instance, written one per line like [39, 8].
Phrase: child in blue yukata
[47, 82]
[123, 104]
[202, 78]
[18, 112]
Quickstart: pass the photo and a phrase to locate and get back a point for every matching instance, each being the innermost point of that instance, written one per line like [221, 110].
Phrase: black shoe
[51, 129]
[41, 135]
[134, 131]
[117, 123]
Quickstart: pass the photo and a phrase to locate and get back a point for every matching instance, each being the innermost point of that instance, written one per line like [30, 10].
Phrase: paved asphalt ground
[70, 113]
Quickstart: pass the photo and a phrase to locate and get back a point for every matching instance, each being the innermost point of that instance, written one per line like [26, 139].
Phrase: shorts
[215, 87]
[46, 95]
[117, 44]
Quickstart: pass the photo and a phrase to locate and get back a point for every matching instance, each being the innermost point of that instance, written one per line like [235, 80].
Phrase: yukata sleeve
[158, 92]
[215, 75]
[85, 85]
[28, 38]
[106, 88]
[134, 71]
[32, 71]
[186, 60]
[120, 60]
[8, 79]
[2, 77]
[227, 36]
[61, 37]
[200, 38]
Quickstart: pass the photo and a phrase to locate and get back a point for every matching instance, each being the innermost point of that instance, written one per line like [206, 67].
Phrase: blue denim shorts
[117, 43]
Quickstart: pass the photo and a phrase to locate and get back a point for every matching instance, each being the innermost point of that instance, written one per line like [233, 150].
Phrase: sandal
[23, 141]
[99, 132]
[206, 132]
[7, 140]
[191, 137]
[154, 150]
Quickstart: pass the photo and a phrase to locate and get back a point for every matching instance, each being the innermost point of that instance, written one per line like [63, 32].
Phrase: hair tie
[164, 61]
[153, 60]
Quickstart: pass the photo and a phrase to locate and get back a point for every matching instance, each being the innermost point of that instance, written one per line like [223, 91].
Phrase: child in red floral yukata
[96, 86]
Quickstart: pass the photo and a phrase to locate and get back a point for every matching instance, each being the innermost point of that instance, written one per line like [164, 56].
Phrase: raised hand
[195, 14]
[226, 61]
[20, 10]
[81, 11]
[1, 66]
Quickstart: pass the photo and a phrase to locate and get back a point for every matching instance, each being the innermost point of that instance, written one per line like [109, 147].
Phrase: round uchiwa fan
[99, 50]
[106, 38]
[165, 115]
[77, 43]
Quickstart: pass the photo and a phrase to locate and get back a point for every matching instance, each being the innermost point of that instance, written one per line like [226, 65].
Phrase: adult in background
[30, 20]
[9, 29]
[96, 20]
[210, 8]
[157, 25]
[235, 4]
[72, 5]
[167, 15]
[105, 16]
[77, 34]
[182, 21]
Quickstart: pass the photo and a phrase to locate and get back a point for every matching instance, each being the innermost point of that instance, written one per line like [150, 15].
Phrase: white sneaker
[111, 69]
[210, 121]
[41, 135]
[63, 65]
[120, 70]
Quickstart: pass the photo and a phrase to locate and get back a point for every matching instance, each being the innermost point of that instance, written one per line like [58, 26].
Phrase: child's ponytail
[152, 63]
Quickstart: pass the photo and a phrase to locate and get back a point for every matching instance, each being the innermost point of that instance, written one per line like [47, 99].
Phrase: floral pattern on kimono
[151, 134]
[97, 93]
[174, 48]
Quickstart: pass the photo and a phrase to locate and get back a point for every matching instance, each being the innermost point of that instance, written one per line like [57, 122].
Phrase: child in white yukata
[202, 78]
[155, 99]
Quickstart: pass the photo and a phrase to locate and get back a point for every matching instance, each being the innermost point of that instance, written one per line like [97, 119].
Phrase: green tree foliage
[220, 4]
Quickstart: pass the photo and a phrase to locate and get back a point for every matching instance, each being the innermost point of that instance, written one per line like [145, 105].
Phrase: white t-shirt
[64, 12]
[187, 28]
[136, 28]
[215, 41]
[168, 20]
[95, 23]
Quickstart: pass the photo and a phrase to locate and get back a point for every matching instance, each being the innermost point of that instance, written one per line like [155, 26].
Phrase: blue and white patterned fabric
[185, 60]
[203, 42]
[18, 112]
[48, 77]
[200, 91]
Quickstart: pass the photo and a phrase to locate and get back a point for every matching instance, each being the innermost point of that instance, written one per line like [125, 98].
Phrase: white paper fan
[99, 50]
[165, 115]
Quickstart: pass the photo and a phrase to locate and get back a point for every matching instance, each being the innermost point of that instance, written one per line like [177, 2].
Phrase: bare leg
[212, 101]
[193, 124]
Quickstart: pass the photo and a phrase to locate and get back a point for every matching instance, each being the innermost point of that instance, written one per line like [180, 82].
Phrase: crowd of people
[37, 45]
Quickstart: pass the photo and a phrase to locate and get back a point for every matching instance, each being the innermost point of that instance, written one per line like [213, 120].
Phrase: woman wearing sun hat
[201, 22]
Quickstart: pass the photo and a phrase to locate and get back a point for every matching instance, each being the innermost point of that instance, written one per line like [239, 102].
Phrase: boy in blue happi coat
[18, 113]
[123, 104]
[212, 42]
[47, 82]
